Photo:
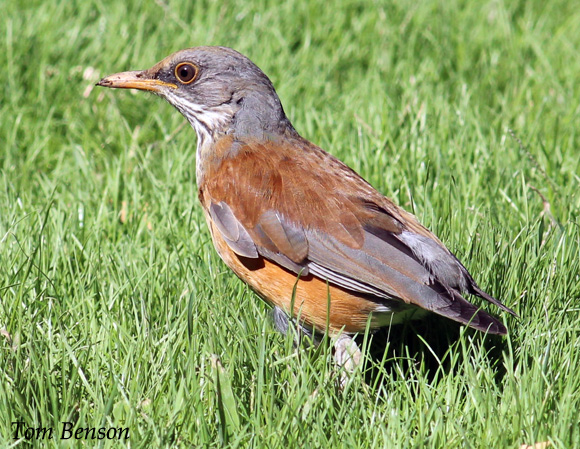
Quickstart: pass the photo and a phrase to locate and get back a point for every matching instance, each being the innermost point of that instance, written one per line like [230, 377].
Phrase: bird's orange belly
[312, 300]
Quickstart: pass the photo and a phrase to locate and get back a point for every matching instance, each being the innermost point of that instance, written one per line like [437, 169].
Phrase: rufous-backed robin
[304, 231]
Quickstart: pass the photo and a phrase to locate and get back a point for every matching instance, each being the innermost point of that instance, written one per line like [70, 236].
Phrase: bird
[307, 233]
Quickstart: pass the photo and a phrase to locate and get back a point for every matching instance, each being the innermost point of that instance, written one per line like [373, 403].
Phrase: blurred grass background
[115, 309]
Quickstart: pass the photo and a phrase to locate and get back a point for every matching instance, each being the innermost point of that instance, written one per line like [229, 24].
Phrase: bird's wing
[305, 210]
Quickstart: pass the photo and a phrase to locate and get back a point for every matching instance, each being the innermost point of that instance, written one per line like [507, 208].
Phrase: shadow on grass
[433, 346]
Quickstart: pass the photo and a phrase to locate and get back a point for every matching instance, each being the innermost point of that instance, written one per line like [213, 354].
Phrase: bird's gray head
[217, 89]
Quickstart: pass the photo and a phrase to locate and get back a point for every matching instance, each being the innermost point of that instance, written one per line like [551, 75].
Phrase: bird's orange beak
[135, 80]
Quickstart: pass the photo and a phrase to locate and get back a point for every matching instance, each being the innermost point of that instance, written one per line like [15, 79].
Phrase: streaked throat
[208, 123]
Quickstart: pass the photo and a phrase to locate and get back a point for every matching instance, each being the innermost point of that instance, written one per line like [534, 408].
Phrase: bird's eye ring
[186, 72]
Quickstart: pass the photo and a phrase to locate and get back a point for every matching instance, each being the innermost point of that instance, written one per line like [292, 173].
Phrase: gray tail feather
[461, 310]
[475, 290]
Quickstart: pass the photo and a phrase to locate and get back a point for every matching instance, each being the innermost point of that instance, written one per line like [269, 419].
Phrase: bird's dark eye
[185, 72]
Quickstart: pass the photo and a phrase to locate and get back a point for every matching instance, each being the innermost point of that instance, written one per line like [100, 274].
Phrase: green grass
[115, 310]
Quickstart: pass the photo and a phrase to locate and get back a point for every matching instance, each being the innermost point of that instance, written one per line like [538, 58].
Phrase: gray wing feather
[344, 281]
[287, 238]
[232, 230]
[377, 264]
[280, 259]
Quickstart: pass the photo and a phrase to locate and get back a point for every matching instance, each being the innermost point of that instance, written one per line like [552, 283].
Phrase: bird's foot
[347, 355]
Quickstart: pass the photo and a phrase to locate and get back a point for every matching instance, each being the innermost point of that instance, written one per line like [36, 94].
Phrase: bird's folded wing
[383, 266]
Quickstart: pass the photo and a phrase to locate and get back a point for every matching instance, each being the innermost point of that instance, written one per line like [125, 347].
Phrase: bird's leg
[283, 324]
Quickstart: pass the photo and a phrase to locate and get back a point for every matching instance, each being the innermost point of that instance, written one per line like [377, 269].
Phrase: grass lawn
[115, 310]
